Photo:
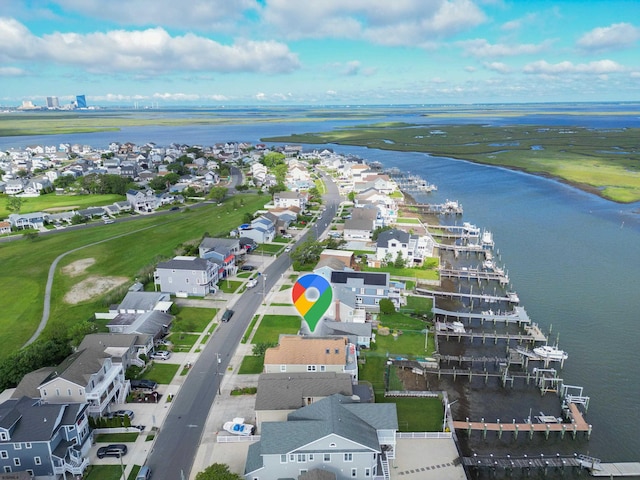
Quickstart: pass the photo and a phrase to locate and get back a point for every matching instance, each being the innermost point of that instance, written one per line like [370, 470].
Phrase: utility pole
[218, 372]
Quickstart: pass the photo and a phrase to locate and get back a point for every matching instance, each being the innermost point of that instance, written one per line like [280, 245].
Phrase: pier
[450, 207]
[518, 315]
[474, 274]
[532, 336]
[522, 462]
[511, 297]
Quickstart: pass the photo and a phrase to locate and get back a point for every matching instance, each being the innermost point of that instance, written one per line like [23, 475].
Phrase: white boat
[456, 327]
[542, 418]
[238, 427]
[549, 352]
[487, 239]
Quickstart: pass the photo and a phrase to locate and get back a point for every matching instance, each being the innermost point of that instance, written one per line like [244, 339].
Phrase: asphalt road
[177, 442]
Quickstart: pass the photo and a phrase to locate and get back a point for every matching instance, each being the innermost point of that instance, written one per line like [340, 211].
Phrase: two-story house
[290, 199]
[361, 224]
[336, 435]
[223, 251]
[368, 287]
[89, 375]
[187, 276]
[260, 230]
[45, 440]
[27, 220]
[412, 248]
[143, 201]
[295, 354]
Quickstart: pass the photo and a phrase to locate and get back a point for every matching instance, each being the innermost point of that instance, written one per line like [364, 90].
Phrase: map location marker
[312, 296]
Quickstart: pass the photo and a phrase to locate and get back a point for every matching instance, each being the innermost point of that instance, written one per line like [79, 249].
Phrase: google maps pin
[312, 296]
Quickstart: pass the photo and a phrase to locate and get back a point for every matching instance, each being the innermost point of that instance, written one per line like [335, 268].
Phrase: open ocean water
[573, 258]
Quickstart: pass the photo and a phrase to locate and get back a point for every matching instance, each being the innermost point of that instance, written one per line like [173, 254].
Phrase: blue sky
[318, 52]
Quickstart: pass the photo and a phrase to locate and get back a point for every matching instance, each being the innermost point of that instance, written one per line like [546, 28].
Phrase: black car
[144, 384]
[247, 268]
[226, 316]
[114, 450]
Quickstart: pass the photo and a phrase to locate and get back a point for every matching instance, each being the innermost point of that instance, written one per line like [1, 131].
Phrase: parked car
[144, 473]
[247, 268]
[144, 383]
[287, 235]
[121, 414]
[114, 450]
[161, 355]
[226, 316]
[287, 248]
[252, 283]
[108, 221]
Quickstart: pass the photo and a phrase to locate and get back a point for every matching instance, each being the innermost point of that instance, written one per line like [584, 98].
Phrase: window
[311, 457]
[27, 445]
[327, 457]
[16, 462]
[44, 392]
[311, 368]
[57, 392]
[283, 368]
[332, 445]
[3, 436]
[7, 469]
[17, 446]
[30, 472]
[348, 457]
[80, 392]
[354, 472]
[68, 391]
[328, 350]
[367, 472]
[336, 351]
[283, 459]
[323, 368]
[302, 471]
[292, 458]
[4, 454]
[302, 458]
[37, 460]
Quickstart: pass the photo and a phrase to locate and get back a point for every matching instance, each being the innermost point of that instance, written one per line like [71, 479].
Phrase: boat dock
[518, 315]
[577, 424]
[475, 274]
[611, 470]
[450, 207]
[523, 462]
[469, 247]
[531, 336]
[509, 296]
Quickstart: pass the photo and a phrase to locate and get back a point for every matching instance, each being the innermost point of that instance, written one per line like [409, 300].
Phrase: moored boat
[550, 352]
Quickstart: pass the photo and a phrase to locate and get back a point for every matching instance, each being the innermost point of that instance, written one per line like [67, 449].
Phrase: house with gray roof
[362, 223]
[154, 323]
[279, 394]
[187, 276]
[222, 251]
[413, 248]
[122, 348]
[336, 434]
[142, 302]
[368, 287]
[260, 230]
[27, 220]
[45, 440]
[88, 376]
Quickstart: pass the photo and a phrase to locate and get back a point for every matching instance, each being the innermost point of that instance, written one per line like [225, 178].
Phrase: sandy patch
[79, 266]
[92, 287]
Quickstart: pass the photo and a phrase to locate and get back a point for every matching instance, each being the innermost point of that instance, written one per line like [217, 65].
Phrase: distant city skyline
[325, 52]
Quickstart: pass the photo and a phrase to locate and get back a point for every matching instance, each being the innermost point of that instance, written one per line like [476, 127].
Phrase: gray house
[46, 440]
[223, 251]
[337, 435]
[186, 276]
[368, 287]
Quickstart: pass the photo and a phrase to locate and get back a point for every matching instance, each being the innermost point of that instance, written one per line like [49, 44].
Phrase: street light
[218, 372]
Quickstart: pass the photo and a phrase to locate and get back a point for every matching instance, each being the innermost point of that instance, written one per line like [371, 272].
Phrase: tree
[307, 254]
[218, 471]
[158, 184]
[218, 194]
[378, 231]
[247, 217]
[259, 349]
[272, 159]
[386, 306]
[14, 204]
[352, 196]
[399, 262]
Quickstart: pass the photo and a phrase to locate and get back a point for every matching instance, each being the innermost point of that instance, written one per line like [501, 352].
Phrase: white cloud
[146, 52]
[614, 37]
[469, 69]
[480, 47]
[401, 22]
[498, 67]
[12, 72]
[598, 67]
[200, 14]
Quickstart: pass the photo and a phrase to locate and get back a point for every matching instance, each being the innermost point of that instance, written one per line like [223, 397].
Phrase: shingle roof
[184, 263]
[286, 391]
[145, 301]
[394, 234]
[297, 350]
[368, 278]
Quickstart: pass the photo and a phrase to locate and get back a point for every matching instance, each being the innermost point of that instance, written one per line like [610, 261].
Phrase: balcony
[72, 466]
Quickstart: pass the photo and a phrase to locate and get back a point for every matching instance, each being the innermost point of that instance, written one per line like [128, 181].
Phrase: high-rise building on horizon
[52, 102]
[81, 101]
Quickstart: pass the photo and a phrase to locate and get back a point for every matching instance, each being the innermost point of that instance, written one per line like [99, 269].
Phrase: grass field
[116, 437]
[602, 162]
[271, 326]
[161, 373]
[103, 472]
[60, 202]
[417, 414]
[251, 365]
[129, 249]
[193, 319]
[428, 272]
[183, 342]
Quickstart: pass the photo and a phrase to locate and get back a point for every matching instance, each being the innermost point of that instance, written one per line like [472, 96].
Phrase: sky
[318, 52]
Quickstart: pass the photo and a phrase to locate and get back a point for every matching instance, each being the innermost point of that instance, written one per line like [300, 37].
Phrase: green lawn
[271, 326]
[62, 202]
[103, 472]
[229, 286]
[428, 272]
[247, 333]
[116, 437]
[409, 220]
[161, 373]
[251, 365]
[268, 248]
[419, 304]
[193, 319]
[409, 344]
[399, 321]
[131, 250]
[183, 342]
[417, 414]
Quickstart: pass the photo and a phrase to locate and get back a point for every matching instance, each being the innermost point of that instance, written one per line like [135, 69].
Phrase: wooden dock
[450, 207]
[524, 461]
[444, 332]
[474, 274]
[610, 470]
[577, 424]
[509, 297]
[518, 315]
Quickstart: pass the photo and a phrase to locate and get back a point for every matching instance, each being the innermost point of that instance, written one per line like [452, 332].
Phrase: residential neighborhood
[311, 411]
